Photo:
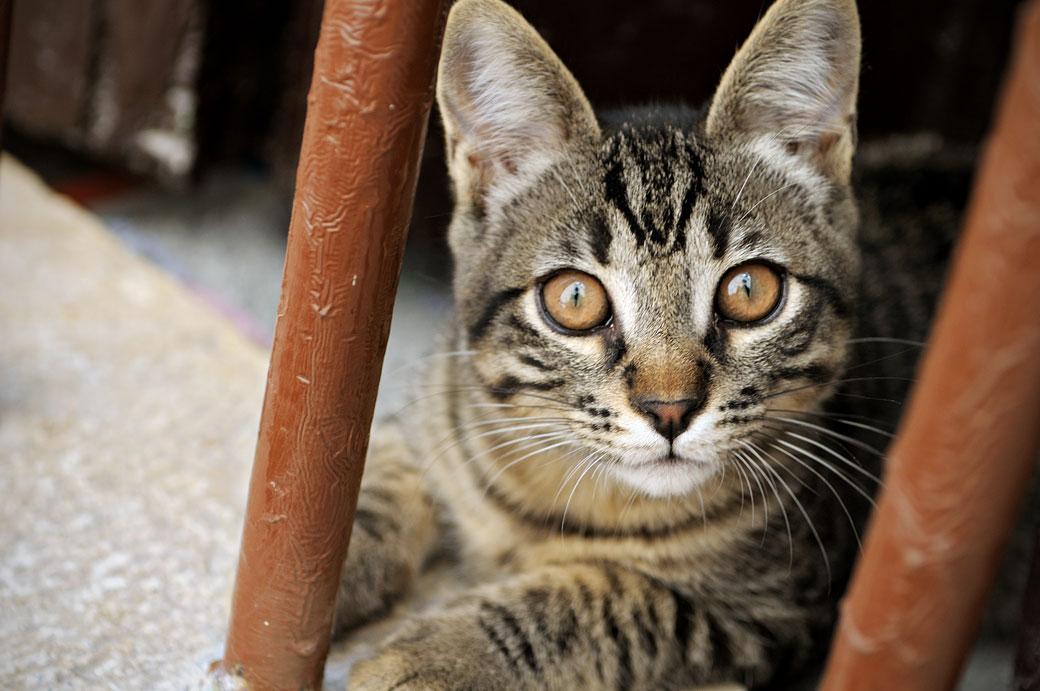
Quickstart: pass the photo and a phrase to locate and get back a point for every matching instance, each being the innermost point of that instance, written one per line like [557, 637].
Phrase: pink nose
[669, 418]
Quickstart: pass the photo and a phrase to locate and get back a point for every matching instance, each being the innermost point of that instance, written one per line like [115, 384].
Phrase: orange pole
[368, 108]
[959, 468]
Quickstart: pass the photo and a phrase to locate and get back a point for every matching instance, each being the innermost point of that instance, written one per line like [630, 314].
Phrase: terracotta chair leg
[959, 468]
[367, 113]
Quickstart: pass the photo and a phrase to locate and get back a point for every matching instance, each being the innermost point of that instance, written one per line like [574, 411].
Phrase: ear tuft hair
[796, 79]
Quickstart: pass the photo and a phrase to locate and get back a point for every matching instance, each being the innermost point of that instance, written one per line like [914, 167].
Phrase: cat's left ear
[510, 107]
[795, 79]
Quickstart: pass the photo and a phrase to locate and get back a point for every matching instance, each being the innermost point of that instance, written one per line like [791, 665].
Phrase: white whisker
[566, 508]
[760, 474]
[824, 480]
[842, 418]
[820, 428]
[536, 452]
[849, 480]
[805, 515]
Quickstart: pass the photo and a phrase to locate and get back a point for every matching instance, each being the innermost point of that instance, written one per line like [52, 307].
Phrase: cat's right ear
[510, 107]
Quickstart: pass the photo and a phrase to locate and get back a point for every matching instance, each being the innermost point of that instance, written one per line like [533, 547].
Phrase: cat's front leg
[395, 530]
[577, 626]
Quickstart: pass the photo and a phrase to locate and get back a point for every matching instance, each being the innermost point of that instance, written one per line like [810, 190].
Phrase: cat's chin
[668, 476]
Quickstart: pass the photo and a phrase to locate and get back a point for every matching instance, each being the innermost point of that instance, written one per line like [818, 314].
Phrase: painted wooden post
[368, 108]
[959, 467]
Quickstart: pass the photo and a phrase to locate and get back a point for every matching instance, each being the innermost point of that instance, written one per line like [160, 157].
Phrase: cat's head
[663, 285]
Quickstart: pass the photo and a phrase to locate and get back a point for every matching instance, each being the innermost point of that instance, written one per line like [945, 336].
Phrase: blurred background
[172, 88]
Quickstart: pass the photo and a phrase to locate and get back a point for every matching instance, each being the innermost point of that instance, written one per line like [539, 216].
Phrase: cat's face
[664, 289]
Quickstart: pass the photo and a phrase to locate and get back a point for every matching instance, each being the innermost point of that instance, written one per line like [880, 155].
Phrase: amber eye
[748, 293]
[575, 301]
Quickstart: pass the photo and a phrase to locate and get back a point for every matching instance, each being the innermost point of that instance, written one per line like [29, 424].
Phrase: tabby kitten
[634, 461]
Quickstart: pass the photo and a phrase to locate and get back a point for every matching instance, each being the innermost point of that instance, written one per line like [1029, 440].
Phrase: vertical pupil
[745, 283]
[574, 294]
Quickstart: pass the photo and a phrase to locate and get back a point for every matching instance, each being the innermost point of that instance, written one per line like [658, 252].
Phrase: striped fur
[593, 563]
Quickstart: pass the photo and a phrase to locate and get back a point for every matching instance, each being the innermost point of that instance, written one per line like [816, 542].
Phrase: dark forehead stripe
[693, 191]
[656, 181]
[600, 238]
[685, 210]
[617, 195]
[656, 160]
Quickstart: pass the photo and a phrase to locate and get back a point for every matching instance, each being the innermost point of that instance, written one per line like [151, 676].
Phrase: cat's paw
[401, 673]
[436, 653]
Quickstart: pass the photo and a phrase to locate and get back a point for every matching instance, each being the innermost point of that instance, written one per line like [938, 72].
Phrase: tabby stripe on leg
[568, 630]
[493, 636]
[588, 605]
[516, 634]
[682, 624]
[624, 656]
[721, 645]
[645, 630]
[536, 604]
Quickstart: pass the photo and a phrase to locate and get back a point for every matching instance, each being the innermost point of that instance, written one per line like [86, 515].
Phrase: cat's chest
[494, 543]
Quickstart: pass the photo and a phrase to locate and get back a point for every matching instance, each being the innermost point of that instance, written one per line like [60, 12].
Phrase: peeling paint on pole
[368, 109]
